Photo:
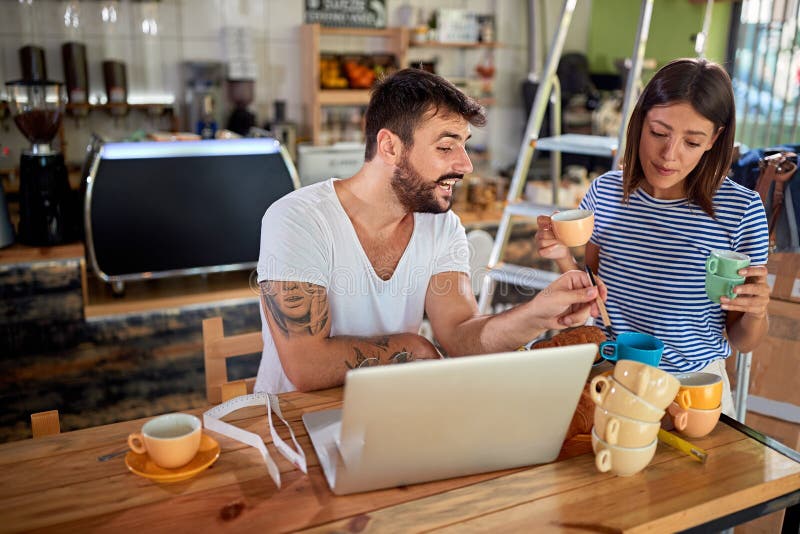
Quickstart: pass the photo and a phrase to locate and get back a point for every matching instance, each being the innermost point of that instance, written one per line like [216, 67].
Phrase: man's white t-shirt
[307, 236]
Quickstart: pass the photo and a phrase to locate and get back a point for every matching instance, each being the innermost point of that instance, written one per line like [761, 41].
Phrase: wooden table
[57, 484]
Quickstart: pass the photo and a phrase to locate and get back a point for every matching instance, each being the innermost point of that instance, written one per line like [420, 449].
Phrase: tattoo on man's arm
[401, 357]
[361, 360]
[296, 308]
[382, 342]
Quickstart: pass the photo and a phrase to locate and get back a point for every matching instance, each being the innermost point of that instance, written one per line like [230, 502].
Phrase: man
[348, 267]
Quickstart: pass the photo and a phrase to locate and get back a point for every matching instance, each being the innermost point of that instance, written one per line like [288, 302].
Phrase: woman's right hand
[547, 245]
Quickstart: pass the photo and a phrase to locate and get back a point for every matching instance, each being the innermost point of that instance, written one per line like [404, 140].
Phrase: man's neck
[370, 202]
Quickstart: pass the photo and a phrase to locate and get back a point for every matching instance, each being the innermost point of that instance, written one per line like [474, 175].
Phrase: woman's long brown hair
[707, 88]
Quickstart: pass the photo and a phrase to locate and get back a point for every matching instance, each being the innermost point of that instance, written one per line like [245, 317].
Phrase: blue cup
[633, 346]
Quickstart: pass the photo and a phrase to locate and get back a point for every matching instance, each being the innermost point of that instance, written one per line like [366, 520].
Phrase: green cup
[726, 263]
[719, 286]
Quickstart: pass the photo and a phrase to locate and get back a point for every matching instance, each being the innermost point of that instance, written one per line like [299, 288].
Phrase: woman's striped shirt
[652, 259]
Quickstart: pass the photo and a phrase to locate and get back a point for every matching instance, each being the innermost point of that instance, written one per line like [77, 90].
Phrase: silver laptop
[437, 419]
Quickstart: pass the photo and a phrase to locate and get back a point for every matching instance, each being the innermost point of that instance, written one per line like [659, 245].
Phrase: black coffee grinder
[46, 204]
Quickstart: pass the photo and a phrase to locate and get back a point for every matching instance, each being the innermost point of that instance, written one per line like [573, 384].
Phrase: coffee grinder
[46, 209]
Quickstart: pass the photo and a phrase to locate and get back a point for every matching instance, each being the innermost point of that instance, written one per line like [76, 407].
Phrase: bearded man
[354, 264]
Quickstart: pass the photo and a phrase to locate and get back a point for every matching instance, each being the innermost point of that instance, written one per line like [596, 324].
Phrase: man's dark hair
[400, 101]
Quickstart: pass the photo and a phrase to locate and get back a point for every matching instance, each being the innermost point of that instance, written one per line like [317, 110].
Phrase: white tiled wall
[190, 30]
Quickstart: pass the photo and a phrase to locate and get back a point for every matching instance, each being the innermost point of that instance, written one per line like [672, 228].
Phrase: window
[766, 75]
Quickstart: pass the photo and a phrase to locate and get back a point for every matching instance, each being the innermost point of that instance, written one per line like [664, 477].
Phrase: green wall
[614, 22]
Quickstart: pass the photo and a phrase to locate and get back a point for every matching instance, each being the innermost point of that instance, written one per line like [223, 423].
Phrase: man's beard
[417, 194]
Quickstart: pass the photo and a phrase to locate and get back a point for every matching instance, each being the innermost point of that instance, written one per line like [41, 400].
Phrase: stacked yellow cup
[629, 406]
[698, 404]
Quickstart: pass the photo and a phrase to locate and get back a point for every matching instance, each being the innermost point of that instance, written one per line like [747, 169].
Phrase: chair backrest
[217, 348]
[45, 424]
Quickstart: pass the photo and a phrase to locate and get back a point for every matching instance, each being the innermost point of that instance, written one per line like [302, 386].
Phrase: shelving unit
[465, 72]
[458, 61]
[391, 40]
[150, 108]
[439, 44]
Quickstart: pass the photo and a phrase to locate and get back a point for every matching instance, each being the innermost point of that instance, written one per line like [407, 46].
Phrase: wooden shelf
[474, 219]
[120, 105]
[343, 97]
[439, 44]
[358, 32]
[18, 253]
[394, 41]
[166, 293]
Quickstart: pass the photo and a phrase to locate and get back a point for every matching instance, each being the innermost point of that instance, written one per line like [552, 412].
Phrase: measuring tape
[212, 420]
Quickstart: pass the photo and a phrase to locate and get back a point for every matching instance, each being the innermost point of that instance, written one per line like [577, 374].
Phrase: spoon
[111, 455]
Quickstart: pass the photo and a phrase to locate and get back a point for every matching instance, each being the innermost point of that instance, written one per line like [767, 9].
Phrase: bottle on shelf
[207, 125]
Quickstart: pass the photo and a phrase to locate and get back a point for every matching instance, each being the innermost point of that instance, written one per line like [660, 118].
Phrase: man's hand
[461, 330]
[567, 302]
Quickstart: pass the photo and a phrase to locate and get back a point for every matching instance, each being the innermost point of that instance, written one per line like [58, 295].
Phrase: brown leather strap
[778, 168]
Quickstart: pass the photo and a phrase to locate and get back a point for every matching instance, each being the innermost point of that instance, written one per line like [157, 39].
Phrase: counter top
[18, 253]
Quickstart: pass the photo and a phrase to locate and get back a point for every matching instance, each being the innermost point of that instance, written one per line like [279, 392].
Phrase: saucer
[142, 465]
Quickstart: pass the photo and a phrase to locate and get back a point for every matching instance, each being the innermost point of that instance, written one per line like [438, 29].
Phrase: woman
[657, 220]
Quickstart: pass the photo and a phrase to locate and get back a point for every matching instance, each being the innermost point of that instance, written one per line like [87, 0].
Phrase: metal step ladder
[550, 90]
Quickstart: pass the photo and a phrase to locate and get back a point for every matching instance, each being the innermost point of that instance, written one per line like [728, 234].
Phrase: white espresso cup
[171, 440]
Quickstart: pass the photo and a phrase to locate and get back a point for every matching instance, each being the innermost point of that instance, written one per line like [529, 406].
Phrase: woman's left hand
[752, 297]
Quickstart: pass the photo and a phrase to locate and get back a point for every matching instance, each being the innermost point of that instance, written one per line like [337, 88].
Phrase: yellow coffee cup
[701, 391]
[692, 422]
[616, 429]
[654, 385]
[170, 440]
[622, 461]
[573, 227]
[610, 395]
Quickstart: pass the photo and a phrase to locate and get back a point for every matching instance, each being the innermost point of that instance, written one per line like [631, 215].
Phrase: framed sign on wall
[347, 13]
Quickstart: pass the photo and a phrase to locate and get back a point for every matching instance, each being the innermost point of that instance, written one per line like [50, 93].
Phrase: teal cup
[718, 286]
[726, 263]
[635, 346]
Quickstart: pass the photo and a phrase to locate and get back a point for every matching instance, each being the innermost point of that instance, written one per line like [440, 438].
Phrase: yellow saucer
[142, 465]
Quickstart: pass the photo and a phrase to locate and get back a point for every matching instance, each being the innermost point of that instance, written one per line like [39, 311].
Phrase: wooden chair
[217, 349]
[45, 424]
